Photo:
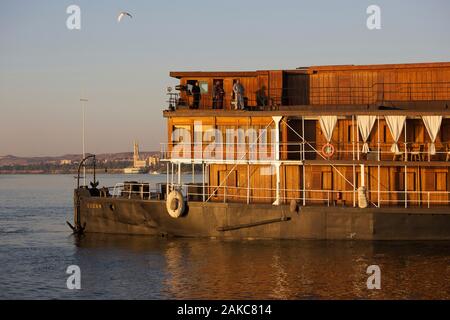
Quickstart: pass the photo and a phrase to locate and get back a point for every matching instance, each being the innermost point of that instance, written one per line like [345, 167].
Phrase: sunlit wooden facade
[291, 104]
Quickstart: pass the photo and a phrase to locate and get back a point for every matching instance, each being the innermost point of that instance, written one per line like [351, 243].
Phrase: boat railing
[311, 150]
[141, 190]
[316, 93]
[225, 193]
[376, 198]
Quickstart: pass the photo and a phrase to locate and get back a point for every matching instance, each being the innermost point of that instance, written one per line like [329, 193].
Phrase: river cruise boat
[320, 152]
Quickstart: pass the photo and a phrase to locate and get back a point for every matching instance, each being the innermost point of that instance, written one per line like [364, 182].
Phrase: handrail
[416, 151]
[314, 94]
[82, 164]
[329, 197]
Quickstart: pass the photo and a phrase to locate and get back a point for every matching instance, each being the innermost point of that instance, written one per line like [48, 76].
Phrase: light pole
[83, 103]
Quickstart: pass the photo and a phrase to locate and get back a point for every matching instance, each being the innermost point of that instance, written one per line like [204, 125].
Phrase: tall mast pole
[83, 101]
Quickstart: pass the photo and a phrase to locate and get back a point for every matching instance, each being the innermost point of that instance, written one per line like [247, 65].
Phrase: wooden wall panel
[354, 86]
[276, 86]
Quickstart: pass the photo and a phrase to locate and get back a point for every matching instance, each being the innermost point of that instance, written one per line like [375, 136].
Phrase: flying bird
[123, 14]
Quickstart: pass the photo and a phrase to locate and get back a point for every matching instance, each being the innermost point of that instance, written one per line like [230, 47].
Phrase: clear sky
[123, 68]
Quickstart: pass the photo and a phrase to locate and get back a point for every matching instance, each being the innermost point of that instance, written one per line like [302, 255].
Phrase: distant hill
[11, 160]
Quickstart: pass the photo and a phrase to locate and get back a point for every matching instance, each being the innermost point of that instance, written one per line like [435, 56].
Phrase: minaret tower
[136, 154]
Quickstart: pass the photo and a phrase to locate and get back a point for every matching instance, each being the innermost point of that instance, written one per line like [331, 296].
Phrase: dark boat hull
[262, 221]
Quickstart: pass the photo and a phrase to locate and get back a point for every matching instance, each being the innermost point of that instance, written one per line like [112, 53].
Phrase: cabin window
[203, 87]
[441, 181]
[384, 134]
[202, 84]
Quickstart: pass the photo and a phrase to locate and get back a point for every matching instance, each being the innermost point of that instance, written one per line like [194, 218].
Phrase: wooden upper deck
[408, 87]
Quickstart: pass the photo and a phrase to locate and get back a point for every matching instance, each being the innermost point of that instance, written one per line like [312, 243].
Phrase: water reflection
[36, 248]
[214, 269]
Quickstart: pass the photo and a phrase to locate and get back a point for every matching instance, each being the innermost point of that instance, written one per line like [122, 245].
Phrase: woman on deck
[238, 90]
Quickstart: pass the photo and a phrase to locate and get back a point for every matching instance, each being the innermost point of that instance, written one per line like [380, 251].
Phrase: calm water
[36, 247]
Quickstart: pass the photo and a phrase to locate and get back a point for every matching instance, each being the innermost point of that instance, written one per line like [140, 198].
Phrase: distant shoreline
[88, 171]
[111, 171]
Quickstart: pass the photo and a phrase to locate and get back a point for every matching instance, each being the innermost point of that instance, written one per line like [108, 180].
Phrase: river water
[36, 247]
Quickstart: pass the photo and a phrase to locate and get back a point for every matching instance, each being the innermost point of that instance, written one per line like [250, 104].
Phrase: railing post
[354, 185]
[357, 143]
[304, 185]
[167, 180]
[379, 194]
[378, 142]
[277, 120]
[248, 183]
[353, 137]
[203, 182]
[406, 145]
[171, 176]
[406, 187]
[303, 138]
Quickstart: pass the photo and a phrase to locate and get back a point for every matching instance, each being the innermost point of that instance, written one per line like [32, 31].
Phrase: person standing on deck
[218, 94]
[196, 94]
[238, 90]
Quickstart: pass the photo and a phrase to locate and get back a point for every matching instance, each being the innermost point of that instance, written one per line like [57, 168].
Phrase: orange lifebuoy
[328, 150]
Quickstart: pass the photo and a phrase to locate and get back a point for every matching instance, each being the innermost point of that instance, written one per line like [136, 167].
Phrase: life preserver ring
[175, 204]
[328, 150]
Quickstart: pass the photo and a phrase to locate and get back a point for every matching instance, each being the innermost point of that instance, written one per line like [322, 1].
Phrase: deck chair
[417, 155]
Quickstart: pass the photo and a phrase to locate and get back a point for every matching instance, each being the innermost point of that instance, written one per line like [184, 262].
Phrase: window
[203, 87]
[202, 84]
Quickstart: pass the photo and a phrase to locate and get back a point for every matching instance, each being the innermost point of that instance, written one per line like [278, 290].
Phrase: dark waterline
[36, 247]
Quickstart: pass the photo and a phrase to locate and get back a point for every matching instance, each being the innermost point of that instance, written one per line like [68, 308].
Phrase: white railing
[327, 197]
[268, 195]
[144, 191]
[343, 151]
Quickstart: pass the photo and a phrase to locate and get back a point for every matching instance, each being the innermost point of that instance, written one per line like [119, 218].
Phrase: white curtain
[327, 123]
[365, 125]
[433, 124]
[395, 124]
